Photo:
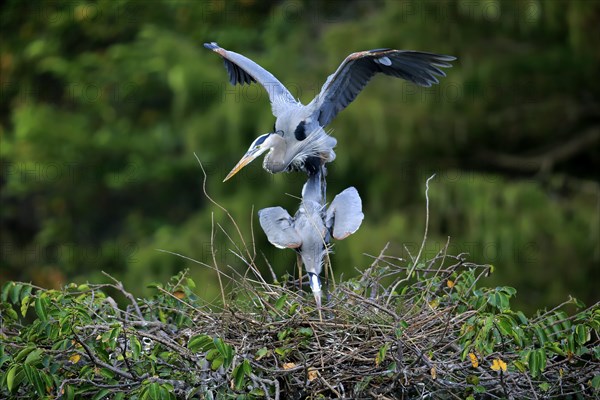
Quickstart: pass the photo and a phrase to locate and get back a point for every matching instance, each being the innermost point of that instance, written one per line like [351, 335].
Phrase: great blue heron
[298, 140]
[311, 228]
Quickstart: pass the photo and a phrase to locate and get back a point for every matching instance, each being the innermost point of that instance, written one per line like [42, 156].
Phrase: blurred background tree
[104, 103]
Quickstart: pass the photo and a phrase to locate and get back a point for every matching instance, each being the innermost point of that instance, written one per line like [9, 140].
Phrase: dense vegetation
[433, 333]
[104, 103]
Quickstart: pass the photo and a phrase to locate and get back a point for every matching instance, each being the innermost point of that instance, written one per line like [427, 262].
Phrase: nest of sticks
[396, 331]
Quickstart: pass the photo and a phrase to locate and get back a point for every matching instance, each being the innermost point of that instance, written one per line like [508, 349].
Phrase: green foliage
[79, 342]
[103, 104]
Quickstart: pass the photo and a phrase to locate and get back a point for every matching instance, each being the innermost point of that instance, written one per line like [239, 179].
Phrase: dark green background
[103, 105]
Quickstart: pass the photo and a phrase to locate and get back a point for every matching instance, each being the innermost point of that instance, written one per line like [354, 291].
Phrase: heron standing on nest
[310, 231]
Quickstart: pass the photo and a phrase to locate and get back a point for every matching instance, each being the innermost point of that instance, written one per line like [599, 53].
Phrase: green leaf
[14, 377]
[281, 335]
[119, 396]
[114, 335]
[14, 293]
[154, 285]
[571, 344]
[225, 350]
[537, 362]
[190, 282]
[9, 314]
[216, 363]
[380, 357]
[24, 353]
[280, 302]
[520, 366]
[6, 288]
[41, 305]
[261, 353]
[211, 354]
[101, 394]
[107, 373]
[493, 300]
[544, 386]
[240, 372]
[554, 347]
[33, 357]
[26, 292]
[540, 333]
[257, 393]
[392, 367]
[200, 343]
[293, 308]
[505, 325]
[503, 301]
[154, 391]
[509, 290]
[25, 305]
[522, 318]
[282, 351]
[479, 389]
[596, 382]
[69, 392]
[308, 332]
[542, 357]
[582, 334]
[3, 359]
[34, 378]
[136, 346]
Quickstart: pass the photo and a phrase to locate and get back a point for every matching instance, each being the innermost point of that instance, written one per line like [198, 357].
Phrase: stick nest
[400, 330]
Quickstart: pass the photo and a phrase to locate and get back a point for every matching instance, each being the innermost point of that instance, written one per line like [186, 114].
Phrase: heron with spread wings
[299, 141]
[310, 231]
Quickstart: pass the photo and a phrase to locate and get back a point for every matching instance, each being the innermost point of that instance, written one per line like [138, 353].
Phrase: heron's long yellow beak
[247, 159]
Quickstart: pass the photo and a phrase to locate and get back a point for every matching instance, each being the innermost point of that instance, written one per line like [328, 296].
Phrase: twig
[416, 260]
[214, 257]
[119, 286]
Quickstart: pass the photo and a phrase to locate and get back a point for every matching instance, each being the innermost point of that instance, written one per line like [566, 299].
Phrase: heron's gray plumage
[342, 87]
[278, 226]
[311, 228]
[302, 126]
[242, 70]
[344, 215]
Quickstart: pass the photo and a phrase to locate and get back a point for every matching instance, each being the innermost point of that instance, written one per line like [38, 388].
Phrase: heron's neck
[275, 161]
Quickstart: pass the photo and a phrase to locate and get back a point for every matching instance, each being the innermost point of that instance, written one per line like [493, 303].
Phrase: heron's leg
[327, 266]
[299, 264]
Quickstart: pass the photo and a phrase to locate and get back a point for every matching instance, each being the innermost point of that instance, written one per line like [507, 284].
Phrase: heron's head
[315, 286]
[258, 147]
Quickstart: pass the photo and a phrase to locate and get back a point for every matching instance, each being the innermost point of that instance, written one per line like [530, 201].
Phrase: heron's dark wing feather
[342, 87]
[344, 215]
[242, 70]
[279, 228]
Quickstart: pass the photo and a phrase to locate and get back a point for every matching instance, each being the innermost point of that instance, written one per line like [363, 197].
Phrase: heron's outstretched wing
[344, 214]
[242, 70]
[279, 228]
[342, 87]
